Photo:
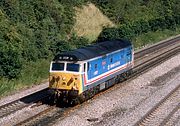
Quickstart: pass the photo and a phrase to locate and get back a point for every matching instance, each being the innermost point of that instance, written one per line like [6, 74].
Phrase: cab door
[129, 57]
[129, 54]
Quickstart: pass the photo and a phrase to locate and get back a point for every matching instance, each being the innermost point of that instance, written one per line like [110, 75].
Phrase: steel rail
[170, 115]
[150, 114]
[156, 47]
[19, 104]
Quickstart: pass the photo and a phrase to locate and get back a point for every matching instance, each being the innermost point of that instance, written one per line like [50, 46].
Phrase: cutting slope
[90, 21]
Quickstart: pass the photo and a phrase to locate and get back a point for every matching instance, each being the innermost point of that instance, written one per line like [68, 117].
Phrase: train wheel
[74, 102]
[82, 98]
[51, 100]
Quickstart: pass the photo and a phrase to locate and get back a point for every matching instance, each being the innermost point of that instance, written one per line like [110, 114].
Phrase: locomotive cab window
[72, 67]
[57, 66]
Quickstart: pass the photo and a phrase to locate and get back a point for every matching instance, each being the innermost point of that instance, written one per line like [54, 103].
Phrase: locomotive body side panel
[106, 67]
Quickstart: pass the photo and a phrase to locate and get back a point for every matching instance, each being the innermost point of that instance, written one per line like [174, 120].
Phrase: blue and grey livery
[96, 66]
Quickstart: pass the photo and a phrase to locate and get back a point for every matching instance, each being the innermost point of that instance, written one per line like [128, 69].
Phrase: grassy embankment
[90, 22]
[33, 74]
[154, 37]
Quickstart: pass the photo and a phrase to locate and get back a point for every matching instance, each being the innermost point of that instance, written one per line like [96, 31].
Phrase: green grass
[32, 74]
[154, 37]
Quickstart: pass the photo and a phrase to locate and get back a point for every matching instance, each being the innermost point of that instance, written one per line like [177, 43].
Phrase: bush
[133, 29]
[11, 61]
[73, 43]
[33, 30]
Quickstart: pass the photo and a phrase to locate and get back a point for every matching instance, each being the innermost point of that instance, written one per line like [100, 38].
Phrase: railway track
[156, 60]
[19, 104]
[52, 113]
[45, 117]
[156, 47]
[161, 112]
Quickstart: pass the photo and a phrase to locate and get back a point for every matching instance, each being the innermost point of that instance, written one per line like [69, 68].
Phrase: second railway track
[161, 112]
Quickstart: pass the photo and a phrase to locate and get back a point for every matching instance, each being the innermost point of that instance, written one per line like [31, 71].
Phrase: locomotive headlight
[63, 78]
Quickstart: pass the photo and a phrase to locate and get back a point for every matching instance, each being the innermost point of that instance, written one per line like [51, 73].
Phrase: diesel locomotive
[79, 74]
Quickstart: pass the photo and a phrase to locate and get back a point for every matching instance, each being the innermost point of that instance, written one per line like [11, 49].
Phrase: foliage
[32, 30]
[134, 29]
[152, 37]
[73, 43]
[139, 17]
[31, 73]
[123, 11]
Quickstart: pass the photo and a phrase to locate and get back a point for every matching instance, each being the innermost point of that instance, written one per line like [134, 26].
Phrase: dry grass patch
[90, 21]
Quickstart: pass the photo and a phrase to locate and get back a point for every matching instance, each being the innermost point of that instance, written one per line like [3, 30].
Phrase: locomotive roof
[91, 51]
